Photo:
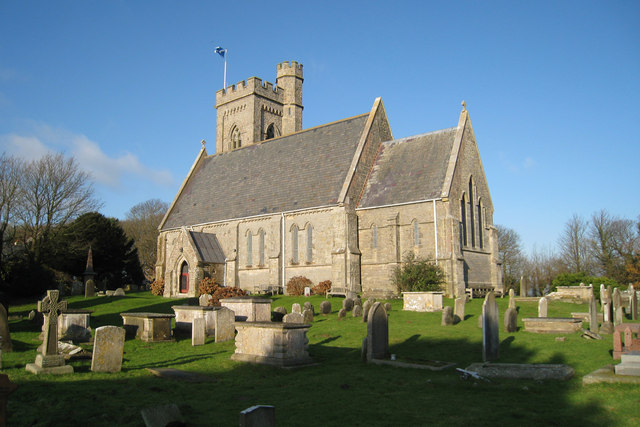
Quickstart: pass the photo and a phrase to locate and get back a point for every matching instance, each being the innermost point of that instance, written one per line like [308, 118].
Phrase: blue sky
[128, 88]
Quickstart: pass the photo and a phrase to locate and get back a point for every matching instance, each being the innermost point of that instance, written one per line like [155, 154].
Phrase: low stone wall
[422, 301]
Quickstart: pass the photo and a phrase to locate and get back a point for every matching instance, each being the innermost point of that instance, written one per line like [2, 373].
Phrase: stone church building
[344, 201]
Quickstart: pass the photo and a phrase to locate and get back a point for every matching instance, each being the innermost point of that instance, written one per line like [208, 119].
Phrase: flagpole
[225, 70]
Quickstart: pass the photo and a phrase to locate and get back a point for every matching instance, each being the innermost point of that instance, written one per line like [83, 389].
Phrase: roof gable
[409, 169]
[207, 247]
[302, 170]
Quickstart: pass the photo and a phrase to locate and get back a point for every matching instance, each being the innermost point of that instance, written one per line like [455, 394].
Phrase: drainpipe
[283, 240]
[435, 226]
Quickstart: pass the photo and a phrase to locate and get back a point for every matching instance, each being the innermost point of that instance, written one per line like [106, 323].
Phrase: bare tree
[55, 191]
[510, 252]
[615, 241]
[575, 245]
[542, 266]
[141, 225]
[10, 171]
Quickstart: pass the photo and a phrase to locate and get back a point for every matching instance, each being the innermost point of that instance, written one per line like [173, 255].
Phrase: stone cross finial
[51, 308]
[464, 106]
[204, 143]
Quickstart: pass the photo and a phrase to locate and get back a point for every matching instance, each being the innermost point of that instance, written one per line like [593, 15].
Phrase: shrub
[574, 279]
[296, 285]
[217, 292]
[418, 275]
[321, 288]
[157, 287]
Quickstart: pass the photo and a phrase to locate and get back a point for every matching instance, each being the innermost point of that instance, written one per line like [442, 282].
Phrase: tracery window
[416, 233]
[236, 142]
[374, 237]
[471, 214]
[309, 243]
[294, 244]
[261, 248]
[463, 221]
[249, 249]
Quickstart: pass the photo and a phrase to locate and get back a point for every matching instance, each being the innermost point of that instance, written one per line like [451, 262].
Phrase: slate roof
[208, 247]
[409, 169]
[302, 170]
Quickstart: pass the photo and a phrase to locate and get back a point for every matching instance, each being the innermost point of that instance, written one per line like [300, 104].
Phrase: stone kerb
[422, 301]
[108, 348]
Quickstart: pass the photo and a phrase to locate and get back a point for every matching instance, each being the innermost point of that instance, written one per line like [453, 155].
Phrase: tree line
[49, 219]
[601, 249]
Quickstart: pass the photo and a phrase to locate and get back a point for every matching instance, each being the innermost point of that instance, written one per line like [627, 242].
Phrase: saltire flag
[221, 51]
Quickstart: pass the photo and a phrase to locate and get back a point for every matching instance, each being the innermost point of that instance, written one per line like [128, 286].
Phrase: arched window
[249, 249]
[294, 244]
[374, 236]
[472, 231]
[309, 243]
[271, 132]
[236, 142]
[463, 221]
[184, 278]
[416, 233]
[261, 248]
[480, 225]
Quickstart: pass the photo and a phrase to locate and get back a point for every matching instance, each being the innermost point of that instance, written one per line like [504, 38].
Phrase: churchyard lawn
[339, 390]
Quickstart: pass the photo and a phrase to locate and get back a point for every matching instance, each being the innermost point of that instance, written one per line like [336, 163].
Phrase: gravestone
[377, 332]
[204, 299]
[223, 319]
[5, 334]
[108, 348]
[280, 309]
[524, 291]
[490, 329]
[325, 307]
[258, 416]
[308, 306]
[198, 331]
[118, 292]
[387, 306]
[447, 316]
[76, 287]
[89, 289]
[511, 320]
[342, 313]
[347, 304]
[48, 361]
[512, 298]
[357, 311]
[357, 301]
[293, 318]
[365, 310]
[607, 309]
[593, 315]
[543, 307]
[295, 308]
[162, 416]
[634, 304]
[458, 310]
[307, 291]
[307, 316]
[617, 307]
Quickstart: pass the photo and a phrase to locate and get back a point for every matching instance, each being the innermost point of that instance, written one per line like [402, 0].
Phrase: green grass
[339, 390]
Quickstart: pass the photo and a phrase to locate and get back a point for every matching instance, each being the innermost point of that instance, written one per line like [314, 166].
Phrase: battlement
[289, 68]
[253, 85]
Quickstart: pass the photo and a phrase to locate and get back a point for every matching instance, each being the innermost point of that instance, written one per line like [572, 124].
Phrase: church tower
[252, 111]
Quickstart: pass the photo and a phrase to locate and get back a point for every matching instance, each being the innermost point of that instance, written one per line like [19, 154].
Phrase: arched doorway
[184, 278]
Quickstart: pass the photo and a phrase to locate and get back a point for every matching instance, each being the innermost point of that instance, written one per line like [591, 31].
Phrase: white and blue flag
[221, 51]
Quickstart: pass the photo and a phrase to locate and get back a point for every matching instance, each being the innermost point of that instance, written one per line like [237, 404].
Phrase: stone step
[628, 369]
[633, 357]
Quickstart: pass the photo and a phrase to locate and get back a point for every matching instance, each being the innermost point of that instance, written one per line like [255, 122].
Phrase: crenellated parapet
[251, 86]
[289, 68]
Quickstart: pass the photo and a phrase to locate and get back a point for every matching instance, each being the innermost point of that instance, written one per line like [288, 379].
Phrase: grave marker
[511, 320]
[325, 307]
[108, 348]
[5, 334]
[258, 416]
[593, 315]
[307, 316]
[293, 318]
[490, 329]
[458, 311]
[543, 307]
[617, 307]
[295, 308]
[512, 300]
[198, 331]
[377, 332]
[223, 319]
[447, 316]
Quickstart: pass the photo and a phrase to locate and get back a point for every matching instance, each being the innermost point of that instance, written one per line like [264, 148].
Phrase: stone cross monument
[49, 361]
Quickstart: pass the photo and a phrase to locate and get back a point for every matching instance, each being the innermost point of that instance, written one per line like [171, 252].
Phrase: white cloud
[517, 167]
[109, 171]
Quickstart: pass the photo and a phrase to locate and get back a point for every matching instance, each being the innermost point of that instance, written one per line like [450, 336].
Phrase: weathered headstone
[308, 306]
[512, 298]
[325, 307]
[307, 291]
[342, 313]
[258, 416]
[593, 315]
[357, 301]
[606, 328]
[48, 361]
[281, 309]
[607, 301]
[524, 289]
[490, 328]
[634, 304]
[307, 316]
[387, 306]
[119, 292]
[543, 307]
[162, 416]
[5, 334]
[108, 348]
[458, 309]
[347, 304]
[357, 311]
[447, 316]
[377, 332]
[223, 319]
[89, 289]
[617, 307]
[198, 331]
[365, 310]
[296, 308]
[511, 320]
[204, 299]
[293, 318]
